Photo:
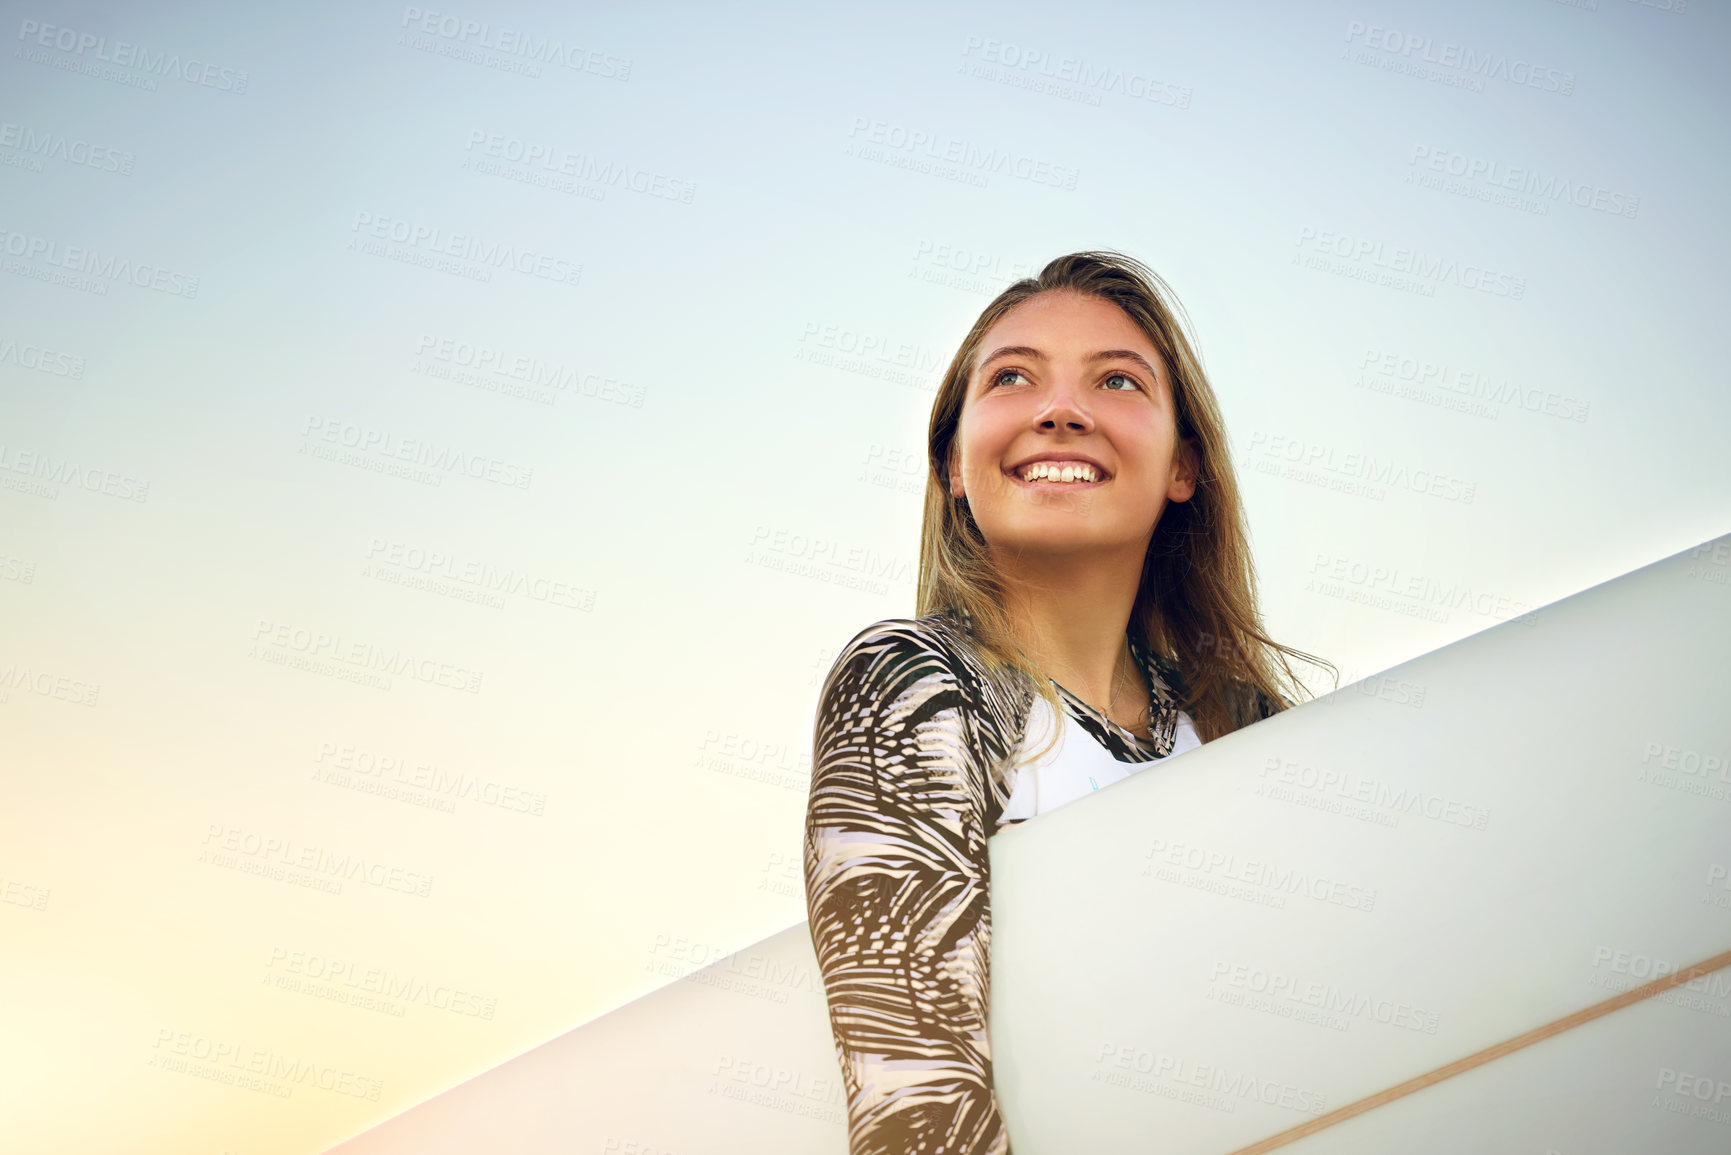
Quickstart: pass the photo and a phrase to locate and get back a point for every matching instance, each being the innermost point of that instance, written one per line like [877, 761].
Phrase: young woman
[1086, 608]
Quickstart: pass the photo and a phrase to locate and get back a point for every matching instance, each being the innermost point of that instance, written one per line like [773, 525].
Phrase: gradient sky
[568, 683]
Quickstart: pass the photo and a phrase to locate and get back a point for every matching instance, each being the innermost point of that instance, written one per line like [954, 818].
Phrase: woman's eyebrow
[1103, 355]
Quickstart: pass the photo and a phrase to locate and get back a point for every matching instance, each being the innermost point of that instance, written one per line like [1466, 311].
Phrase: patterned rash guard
[912, 765]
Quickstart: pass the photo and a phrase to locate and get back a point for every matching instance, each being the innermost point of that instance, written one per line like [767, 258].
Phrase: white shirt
[1076, 766]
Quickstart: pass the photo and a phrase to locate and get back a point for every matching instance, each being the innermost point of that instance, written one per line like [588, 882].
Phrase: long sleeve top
[913, 761]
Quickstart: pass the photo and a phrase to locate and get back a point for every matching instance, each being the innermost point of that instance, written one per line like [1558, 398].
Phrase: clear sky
[441, 452]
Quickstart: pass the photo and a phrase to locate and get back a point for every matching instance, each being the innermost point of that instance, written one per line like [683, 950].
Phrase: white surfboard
[1350, 895]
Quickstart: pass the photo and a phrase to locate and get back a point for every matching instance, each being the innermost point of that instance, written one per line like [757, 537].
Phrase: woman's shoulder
[939, 632]
[922, 689]
[901, 650]
[929, 631]
[929, 662]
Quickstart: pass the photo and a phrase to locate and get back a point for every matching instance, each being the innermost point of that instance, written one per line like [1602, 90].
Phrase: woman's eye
[1004, 375]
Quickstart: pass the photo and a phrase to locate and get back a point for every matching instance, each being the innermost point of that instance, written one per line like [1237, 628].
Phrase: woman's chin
[1054, 537]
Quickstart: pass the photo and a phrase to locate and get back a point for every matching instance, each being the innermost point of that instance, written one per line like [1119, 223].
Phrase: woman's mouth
[1058, 475]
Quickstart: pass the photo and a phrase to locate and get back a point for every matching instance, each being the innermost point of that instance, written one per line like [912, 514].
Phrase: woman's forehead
[1066, 324]
[1095, 333]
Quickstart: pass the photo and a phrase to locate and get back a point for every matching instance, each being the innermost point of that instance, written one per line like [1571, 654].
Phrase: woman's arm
[897, 894]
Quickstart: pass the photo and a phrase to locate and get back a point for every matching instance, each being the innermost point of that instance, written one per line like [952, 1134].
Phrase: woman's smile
[1048, 474]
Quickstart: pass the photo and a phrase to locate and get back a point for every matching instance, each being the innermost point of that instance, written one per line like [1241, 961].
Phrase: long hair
[1196, 606]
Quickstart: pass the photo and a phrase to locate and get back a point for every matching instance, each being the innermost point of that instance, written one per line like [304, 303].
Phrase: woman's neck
[1070, 617]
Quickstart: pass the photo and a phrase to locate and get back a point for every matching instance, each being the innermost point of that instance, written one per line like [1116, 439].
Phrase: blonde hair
[1196, 605]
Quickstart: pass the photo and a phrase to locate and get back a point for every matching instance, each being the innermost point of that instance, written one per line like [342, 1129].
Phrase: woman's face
[1069, 380]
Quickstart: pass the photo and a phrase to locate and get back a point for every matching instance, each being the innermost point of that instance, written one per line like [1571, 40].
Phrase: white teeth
[1054, 471]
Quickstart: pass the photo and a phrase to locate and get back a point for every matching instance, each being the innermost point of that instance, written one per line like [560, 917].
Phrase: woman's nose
[1065, 404]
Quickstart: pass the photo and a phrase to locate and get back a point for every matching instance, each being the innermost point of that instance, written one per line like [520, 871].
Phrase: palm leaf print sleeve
[897, 895]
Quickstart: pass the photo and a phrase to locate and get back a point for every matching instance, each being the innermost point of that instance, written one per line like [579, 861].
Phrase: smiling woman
[1087, 608]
